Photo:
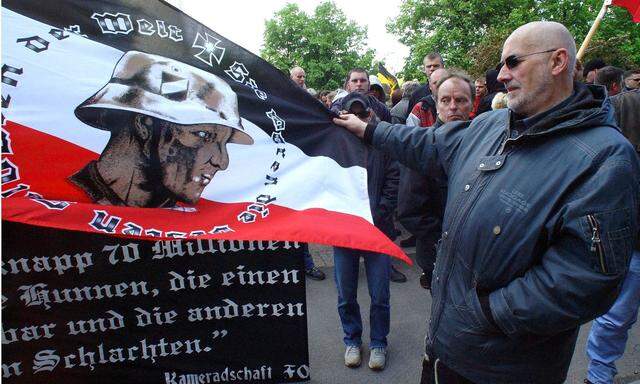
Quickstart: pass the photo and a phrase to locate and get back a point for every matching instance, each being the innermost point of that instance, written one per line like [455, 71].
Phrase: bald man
[298, 75]
[540, 219]
[424, 113]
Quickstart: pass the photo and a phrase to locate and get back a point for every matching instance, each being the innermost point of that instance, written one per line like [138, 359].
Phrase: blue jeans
[308, 260]
[610, 331]
[377, 267]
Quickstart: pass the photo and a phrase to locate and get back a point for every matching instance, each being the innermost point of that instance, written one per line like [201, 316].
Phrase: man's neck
[560, 94]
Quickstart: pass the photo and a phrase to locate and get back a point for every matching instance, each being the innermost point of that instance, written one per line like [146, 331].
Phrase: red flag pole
[594, 28]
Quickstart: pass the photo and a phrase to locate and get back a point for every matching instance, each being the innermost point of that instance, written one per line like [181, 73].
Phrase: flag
[130, 118]
[633, 6]
[386, 77]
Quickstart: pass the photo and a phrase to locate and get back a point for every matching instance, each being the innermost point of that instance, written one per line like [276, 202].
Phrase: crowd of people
[520, 191]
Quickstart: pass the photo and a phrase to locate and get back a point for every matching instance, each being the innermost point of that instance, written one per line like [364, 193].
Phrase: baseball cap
[353, 98]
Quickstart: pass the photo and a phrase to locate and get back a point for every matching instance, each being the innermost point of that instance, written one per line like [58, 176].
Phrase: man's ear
[143, 126]
[560, 61]
[616, 88]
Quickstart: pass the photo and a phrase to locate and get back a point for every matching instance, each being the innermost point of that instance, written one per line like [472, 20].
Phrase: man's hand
[352, 123]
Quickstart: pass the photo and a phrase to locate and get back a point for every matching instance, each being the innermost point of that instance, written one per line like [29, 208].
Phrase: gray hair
[409, 87]
[461, 75]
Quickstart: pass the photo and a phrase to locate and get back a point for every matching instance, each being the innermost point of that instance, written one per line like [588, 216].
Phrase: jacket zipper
[596, 241]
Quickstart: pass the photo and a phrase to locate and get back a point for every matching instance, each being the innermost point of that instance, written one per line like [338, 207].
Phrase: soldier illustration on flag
[169, 123]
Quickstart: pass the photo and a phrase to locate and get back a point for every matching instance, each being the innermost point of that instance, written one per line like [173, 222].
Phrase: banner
[89, 308]
[633, 6]
[130, 118]
[386, 77]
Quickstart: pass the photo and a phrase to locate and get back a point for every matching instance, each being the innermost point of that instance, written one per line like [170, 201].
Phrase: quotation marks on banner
[219, 334]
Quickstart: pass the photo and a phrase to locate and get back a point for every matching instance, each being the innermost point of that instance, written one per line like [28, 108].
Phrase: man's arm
[578, 278]
[424, 150]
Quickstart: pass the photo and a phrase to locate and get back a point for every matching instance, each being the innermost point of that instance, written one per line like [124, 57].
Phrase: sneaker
[352, 356]
[315, 274]
[408, 242]
[378, 359]
[397, 276]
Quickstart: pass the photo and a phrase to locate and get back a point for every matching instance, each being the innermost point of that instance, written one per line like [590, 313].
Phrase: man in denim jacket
[540, 220]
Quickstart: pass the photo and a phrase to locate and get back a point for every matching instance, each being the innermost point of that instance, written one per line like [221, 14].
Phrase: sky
[242, 21]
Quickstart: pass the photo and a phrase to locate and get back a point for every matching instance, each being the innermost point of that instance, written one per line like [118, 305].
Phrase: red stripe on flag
[45, 162]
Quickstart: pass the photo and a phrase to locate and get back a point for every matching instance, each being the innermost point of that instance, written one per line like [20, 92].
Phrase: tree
[325, 44]
[469, 34]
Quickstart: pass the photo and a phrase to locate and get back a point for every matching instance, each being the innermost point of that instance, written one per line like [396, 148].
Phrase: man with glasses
[382, 183]
[540, 220]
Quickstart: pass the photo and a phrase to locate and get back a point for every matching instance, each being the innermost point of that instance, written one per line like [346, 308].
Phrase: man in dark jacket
[424, 113]
[609, 332]
[431, 62]
[382, 183]
[421, 198]
[540, 221]
[358, 81]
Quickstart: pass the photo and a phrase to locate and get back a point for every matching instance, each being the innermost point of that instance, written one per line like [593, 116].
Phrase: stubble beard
[526, 103]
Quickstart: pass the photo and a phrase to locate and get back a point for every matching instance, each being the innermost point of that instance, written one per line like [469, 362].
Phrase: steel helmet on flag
[165, 89]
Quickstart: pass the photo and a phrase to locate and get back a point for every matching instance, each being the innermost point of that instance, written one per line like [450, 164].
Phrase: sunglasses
[513, 61]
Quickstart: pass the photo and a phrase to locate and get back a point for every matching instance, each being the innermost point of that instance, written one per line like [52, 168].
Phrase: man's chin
[191, 195]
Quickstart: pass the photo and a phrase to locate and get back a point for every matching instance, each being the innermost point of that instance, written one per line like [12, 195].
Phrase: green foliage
[325, 44]
[469, 34]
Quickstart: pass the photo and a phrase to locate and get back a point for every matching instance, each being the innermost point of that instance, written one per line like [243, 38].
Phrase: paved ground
[410, 308]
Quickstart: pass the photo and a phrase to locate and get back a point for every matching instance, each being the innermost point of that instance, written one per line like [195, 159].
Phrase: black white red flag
[131, 118]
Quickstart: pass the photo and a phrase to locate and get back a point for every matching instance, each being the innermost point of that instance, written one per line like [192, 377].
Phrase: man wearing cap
[358, 81]
[382, 183]
[169, 123]
[376, 89]
[540, 220]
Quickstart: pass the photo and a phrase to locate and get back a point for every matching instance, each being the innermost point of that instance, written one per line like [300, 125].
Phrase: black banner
[86, 308]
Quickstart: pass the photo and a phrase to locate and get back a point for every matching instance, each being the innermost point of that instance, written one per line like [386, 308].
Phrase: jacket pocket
[609, 240]
[473, 303]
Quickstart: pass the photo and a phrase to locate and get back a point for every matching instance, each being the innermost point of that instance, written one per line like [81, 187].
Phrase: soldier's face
[190, 155]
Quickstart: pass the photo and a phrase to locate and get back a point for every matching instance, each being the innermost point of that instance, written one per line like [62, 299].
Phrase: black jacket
[382, 182]
[421, 202]
[540, 228]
